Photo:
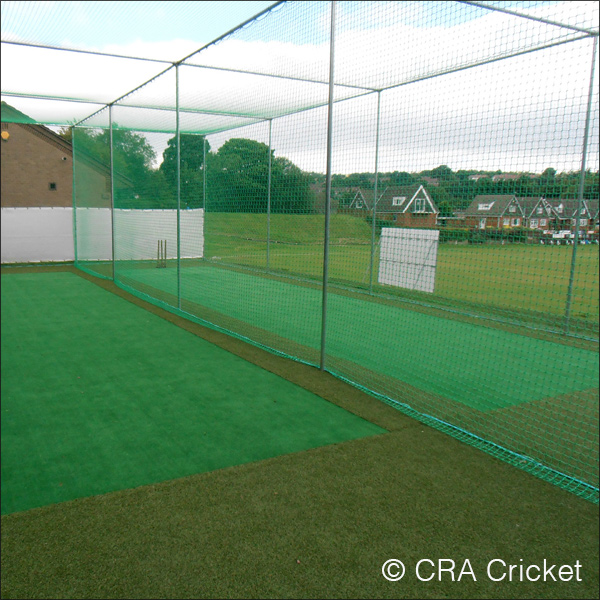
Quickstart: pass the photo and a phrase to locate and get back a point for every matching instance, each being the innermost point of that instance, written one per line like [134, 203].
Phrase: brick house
[37, 167]
[407, 206]
[565, 214]
[593, 211]
[496, 211]
[538, 213]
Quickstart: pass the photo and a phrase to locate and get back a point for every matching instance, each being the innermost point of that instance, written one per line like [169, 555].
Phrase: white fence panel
[42, 234]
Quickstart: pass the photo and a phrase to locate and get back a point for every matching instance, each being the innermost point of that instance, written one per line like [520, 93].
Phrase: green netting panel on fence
[92, 193]
[463, 237]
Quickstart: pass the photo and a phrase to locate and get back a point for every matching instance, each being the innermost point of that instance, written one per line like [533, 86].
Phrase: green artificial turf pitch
[477, 366]
[101, 395]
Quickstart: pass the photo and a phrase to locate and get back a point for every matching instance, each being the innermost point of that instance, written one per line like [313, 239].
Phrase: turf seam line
[546, 473]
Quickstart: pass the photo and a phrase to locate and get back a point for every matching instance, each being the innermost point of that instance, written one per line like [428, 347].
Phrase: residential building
[37, 167]
[405, 206]
[538, 213]
[495, 211]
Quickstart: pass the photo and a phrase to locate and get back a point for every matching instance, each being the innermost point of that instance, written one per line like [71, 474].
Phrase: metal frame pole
[112, 189]
[74, 196]
[203, 196]
[328, 186]
[374, 212]
[204, 174]
[586, 135]
[178, 137]
[269, 200]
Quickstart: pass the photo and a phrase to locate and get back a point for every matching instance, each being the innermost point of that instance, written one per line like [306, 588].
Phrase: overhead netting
[447, 261]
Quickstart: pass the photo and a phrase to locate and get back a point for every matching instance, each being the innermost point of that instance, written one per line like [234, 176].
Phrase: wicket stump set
[161, 254]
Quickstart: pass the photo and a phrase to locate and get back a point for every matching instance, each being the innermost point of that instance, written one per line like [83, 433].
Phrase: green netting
[455, 234]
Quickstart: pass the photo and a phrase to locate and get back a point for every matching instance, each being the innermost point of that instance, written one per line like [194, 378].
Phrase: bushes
[379, 223]
[454, 235]
[514, 235]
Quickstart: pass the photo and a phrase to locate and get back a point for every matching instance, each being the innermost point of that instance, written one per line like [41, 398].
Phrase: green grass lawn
[512, 278]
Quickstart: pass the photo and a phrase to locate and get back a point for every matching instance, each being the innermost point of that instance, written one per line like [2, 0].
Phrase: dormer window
[512, 209]
[485, 206]
[540, 210]
[398, 200]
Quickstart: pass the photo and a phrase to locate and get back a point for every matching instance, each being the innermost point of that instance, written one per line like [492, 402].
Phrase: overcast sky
[519, 114]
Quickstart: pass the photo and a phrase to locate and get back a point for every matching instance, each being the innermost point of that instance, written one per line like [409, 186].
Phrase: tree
[443, 173]
[402, 178]
[290, 188]
[193, 149]
[238, 179]
[132, 157]
[445, 208]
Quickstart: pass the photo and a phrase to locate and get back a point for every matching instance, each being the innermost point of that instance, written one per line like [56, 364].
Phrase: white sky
[520, 114]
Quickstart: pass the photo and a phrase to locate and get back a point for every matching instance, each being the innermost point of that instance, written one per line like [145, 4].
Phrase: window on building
[359, 204]
[481, 223]
[540, 210]
[398, 200]
[533, 224]
[583, 221]
[483, 206]
[559, 208]
[512, 209]
[420, 205]
[543, 222]
[516, 222]
[52, 186]
[506, 222]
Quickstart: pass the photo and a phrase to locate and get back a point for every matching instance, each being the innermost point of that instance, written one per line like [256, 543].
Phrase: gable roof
[492, 205]
[9, 114]
[385, 200]
[592, 208]
[13, 115]
[566, 208]
[530, 205]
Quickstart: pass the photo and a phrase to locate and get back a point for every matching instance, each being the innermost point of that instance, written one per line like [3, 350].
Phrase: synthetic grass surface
[100, 395]
[314, 524]
[513, 276]
[480, 367]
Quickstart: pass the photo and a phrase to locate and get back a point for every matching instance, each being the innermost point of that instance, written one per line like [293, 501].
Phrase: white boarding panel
[408, 258]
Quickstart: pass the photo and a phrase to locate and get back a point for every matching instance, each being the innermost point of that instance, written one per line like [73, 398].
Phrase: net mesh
[462, 246]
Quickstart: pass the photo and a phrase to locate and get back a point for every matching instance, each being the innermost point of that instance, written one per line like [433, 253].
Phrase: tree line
[237, 174]
[237, 177]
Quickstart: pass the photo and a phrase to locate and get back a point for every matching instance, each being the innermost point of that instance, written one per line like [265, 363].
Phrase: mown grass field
[510, 277]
